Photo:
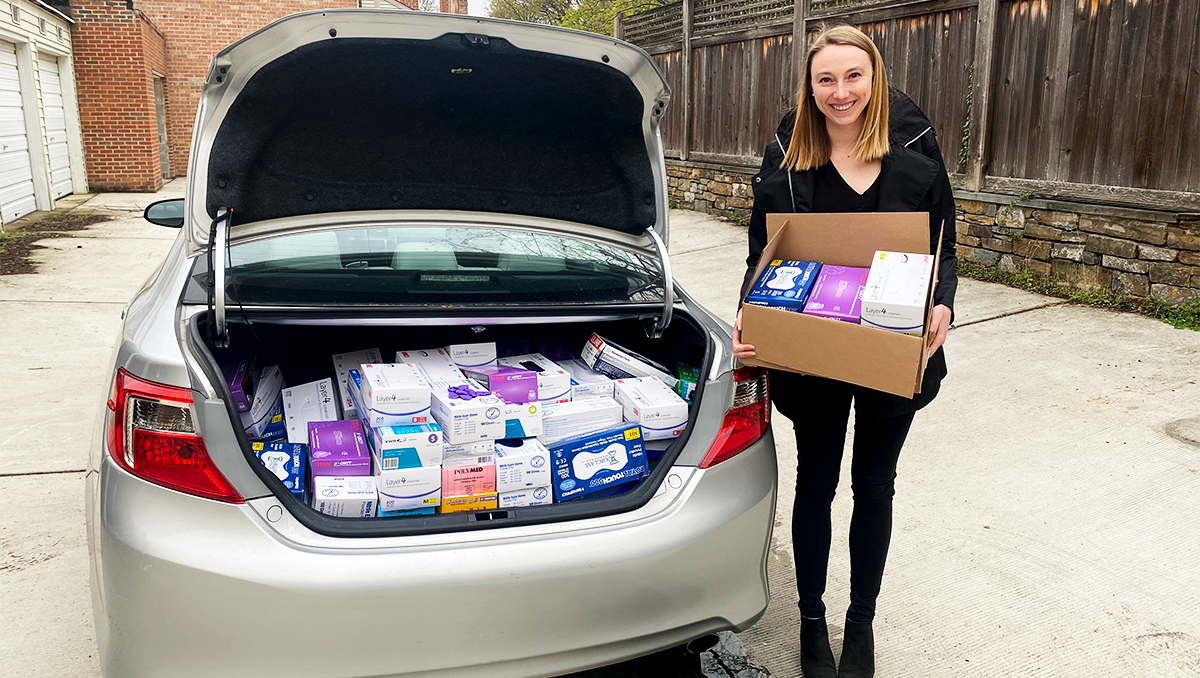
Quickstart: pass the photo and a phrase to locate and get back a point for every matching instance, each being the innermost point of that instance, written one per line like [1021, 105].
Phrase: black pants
[820, 411]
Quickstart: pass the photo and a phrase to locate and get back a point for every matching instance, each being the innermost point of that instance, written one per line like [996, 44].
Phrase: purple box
[837, 293]
[510, 384]
[239, 376]
[338, 448]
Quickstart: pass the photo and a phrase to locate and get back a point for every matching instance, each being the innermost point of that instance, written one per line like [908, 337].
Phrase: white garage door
[16, 175]
[56, 127]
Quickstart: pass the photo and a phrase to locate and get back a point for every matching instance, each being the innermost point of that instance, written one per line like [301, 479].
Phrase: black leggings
[820, 410]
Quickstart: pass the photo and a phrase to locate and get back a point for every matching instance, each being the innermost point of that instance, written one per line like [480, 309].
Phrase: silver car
[409, 180]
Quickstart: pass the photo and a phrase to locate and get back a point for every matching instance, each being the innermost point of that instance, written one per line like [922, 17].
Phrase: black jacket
[913, 179]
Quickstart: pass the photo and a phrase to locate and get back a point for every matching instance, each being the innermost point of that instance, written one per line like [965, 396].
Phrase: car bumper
[190, 587]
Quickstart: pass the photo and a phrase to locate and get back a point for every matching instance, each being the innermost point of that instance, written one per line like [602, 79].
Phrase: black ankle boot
[858, 651]
[816, 657]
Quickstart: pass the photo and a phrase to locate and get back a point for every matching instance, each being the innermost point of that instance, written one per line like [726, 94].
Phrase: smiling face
[841, 77]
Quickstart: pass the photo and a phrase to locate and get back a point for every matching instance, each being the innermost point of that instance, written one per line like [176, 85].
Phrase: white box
[578, 417]
[409, 446]
[342, 363]
[652, 404]
[619, 362]
[522, 420]
[534, 496]
[349, 496]
[522, 464]
[473, 355]
[586, 382]
[478, 453]
[314, 401]
[465, 421]
[393, 394]
[409, 488]
[266, 392]
[554, 383]
[897, 287]
[435, 363]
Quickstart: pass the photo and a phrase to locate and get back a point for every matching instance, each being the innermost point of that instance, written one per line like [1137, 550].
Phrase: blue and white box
[409, 446]
[579, 416]
[554, 383]
[473, 355]
[265, 421]
[897, 288]
[392, 394]
[286, 461]
[522, 420]
[586, 382]
[784, 283]
[314, 401]
[435, 363]
[342, 364]
[654, 405]
[534, 496]
[345, 496]
[521, 464]
[467, 420]
[409, 488]
[478, 453]
[599, 460]
[427, 511]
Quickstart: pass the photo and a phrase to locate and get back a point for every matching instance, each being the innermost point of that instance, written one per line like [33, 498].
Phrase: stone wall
[709, 188]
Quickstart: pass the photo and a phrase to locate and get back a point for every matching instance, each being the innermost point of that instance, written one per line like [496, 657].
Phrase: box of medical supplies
[409, 488]
[597, 460]
[797, 342]
[477, 453]
[464, 480]
[435, 364]
[314, 401]
[397, 447]
[342, 364]
[393, 394]
[239, 377]
[897, 288]
[688, 378]
[344, 497]
[522, 420]
[534, 496]
[467, 413]
[619, 362]
[338, 448]
[473, 355]
[510, 384]
[554, 383]
[586, 382]
[651, 403]
[579, 416]
[427, 511]
[521, 464]
[837, 293]
[266, 412]
[785, 283]
[479, 502]
[286, 461]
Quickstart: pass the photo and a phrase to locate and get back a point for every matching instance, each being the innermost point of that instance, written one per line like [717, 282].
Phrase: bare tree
[429, 5]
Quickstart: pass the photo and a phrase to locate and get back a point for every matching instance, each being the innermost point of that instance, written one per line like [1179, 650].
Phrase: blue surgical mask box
[784, 283]
[286, 461]
[594, 461]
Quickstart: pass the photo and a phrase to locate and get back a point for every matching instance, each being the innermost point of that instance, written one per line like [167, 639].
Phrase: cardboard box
[521, 464]
[477, 453]
[434, 363]
[510, 384]
[619, 362]
[579, 416]
[522, 420]
[397, 447]
[393, 394]
[314, 401]
[467, 420]
[554, 383]
[784, 283]
[597, 461]
[467, 480]
[409, 488]
[651, 403]
[239, 377]
[586, 382]
[837, 293]
[266, 412]
[338, 448]
[348, 497]
[897, 289]
[473, 355]
[286, 461]
[427, 511]
[342, 364]
[481, 502]
[688, 378]
[887, 361]
[535, 496]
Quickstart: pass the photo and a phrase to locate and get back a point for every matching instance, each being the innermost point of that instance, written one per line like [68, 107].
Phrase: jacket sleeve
[941, 219]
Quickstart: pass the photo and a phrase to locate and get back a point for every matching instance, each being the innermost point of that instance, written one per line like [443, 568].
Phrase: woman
[835, 155]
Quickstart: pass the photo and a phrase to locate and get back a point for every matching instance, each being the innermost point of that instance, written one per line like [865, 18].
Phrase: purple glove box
[338, 448]
[510, 384]
[837, 293]
[239, 376]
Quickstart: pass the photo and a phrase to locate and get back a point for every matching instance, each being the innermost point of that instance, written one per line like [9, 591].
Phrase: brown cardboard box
[866, 356]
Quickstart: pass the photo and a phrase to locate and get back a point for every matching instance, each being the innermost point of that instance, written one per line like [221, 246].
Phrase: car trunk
[303, 349]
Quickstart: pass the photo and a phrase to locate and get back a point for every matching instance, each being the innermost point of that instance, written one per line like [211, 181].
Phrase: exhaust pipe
[703, 643]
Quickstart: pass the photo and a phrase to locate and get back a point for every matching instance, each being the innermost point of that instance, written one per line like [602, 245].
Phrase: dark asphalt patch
[729, 659]
[16, 245]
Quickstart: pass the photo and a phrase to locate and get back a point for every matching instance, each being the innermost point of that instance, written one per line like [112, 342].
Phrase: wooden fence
[1095, 100]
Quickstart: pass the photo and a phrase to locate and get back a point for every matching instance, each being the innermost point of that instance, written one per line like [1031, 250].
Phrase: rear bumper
[190, 587]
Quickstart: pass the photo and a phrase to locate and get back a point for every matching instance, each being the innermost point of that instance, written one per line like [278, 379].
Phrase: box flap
[851, 238]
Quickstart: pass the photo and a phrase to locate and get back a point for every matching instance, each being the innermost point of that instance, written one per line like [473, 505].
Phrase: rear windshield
[437, 265]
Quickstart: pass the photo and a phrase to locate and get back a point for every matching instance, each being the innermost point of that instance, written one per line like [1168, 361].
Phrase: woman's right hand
[740, 351]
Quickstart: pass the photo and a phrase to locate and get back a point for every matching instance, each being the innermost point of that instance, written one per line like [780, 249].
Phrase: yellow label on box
[633, 433]
[474, 502]
[276, 419]
[257, 447]
[777, 262]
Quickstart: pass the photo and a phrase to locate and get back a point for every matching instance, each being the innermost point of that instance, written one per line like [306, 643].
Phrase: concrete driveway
[1047, 511]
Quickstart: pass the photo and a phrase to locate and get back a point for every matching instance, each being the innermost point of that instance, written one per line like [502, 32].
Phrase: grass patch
[1181, 316]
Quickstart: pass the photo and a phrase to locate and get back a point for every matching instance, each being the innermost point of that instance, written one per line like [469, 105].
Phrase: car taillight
[747, 418]
[151, 434]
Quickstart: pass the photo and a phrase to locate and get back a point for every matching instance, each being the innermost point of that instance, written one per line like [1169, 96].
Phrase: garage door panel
[56, 127]
[16, 172]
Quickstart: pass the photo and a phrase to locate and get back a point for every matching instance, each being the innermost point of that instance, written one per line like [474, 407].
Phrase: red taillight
[747, 418]
[151, 434]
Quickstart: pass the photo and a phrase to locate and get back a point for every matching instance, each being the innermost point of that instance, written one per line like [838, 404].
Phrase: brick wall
[452, 7]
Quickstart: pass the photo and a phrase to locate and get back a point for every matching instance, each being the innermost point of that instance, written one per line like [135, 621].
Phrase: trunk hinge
[218, 251]
[660, 325]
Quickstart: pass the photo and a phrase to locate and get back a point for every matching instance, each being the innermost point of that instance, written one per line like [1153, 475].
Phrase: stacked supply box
[579, 416]
[510, 384]
[338, 448]
[688, 378]
[476, 453]
[619, 362]
[586, 382]
[434, 363]
[521, 465]
[314, 401]
[785, 283]
[342, 364]
[473, 355]
[597, 461]
[837, 293]
[397, 447]
[469, 488]
[522, 420]
[348, 497]
[395, 394]
[535, 496]
[264, 420]
[897, 291]
[651, 403]
[239, 377]
[286, 461]
[553, 382]
[408, 489]
[467, 413]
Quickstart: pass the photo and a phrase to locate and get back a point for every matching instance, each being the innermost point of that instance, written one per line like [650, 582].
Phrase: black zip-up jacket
[913, 179]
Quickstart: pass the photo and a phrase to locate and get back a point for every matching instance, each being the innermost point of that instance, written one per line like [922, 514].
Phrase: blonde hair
[810, 148]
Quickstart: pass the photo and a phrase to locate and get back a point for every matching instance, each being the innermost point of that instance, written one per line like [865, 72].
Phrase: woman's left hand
[939, 325]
